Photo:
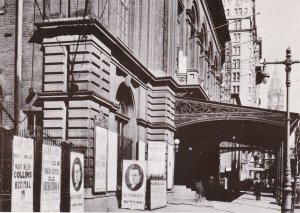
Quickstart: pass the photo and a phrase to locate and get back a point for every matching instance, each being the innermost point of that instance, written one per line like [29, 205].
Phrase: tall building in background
[226, 74]
[245, 48]
[112, 66]
[276, 92]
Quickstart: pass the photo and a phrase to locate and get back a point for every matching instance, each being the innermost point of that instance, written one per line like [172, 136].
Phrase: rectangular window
[239, 24]
[238, 63]
[236, 11]
[236, 77]
[236, 89]
[233, 64]
[238, 50]
[237, 37]
[240, 11]
[228, 12]
[122, 27]
[246, 10]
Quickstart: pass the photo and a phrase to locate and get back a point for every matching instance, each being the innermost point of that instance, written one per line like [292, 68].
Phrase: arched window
[216, 65]
[203, 60]
[126, 112]
[210, 53]
[194, 28]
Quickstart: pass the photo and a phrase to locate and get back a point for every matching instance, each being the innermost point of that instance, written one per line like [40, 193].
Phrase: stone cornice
[155, 125]
[94, 27]
[80, 95]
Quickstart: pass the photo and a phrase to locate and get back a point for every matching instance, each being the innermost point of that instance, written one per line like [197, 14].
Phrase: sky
[278, 24]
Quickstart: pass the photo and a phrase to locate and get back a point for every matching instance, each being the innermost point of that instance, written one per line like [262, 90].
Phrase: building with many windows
[245, 49]
[118, 64]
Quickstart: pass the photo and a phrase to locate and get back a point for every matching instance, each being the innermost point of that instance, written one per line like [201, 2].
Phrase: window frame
[122, 20]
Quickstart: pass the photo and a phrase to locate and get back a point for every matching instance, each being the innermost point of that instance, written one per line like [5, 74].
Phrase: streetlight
[177, 142]
[287, 203]
[262, 75]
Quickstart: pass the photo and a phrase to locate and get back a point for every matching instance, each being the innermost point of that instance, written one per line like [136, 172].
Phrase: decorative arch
[125, 119]
[125, 97]
[190, 111]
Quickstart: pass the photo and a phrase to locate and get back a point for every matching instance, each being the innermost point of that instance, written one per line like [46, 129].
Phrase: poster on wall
[50, 178]
[157, 160]
[158, 194]
[22, 174]
[141, 150]
[133, 184]
[100, 160]
[171, 160]
[112, 161]
[76, 182]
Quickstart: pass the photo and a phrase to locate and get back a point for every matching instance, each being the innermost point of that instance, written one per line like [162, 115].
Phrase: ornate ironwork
[230, 147]
[189, 111]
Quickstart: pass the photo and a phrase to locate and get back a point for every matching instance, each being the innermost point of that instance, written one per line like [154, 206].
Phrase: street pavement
[245, 203]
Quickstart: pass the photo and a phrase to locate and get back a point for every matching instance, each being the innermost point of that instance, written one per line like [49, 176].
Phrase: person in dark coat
[257, 190]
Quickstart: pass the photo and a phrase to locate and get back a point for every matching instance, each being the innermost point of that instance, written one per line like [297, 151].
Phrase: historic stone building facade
[118, 64]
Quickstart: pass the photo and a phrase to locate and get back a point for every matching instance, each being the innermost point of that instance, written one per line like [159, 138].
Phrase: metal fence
[40, 137]
[6, 137]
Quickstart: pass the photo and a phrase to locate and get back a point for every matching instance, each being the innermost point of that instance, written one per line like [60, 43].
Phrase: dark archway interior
[198, 154]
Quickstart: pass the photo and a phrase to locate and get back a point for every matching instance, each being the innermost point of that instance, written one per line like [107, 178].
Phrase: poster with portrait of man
[133, 184]
[76, 182]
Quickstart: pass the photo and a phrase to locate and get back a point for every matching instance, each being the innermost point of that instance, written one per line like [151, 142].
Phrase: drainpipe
[18, 65]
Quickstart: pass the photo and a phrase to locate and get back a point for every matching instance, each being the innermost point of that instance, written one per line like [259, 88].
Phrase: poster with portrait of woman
[76, 182]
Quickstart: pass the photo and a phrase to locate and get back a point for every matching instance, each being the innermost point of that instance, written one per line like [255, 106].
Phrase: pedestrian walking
[257, 190]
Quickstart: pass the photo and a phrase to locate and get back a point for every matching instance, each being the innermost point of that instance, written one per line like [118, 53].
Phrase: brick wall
[31, 55]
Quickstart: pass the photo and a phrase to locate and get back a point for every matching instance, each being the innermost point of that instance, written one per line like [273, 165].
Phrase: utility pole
[18, 65]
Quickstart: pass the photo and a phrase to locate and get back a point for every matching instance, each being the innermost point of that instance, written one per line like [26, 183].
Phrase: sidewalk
[245, 203]
[248, 203]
